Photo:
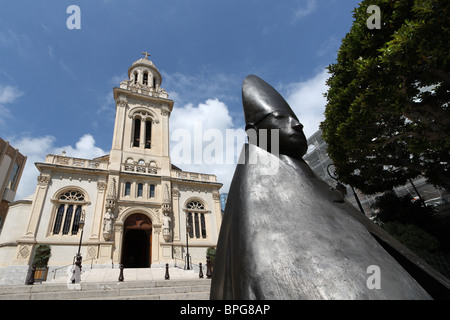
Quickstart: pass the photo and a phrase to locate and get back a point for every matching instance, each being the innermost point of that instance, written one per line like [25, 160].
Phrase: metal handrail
[56, 269]
[73, 262]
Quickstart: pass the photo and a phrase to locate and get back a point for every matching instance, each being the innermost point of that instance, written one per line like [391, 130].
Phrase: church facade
[130, 207]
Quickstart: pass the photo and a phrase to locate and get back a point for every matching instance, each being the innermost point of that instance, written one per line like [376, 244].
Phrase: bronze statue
[287, 235]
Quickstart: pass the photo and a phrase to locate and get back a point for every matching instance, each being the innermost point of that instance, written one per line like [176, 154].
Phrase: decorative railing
[144, 89]
[76, 162]
[193, 176]
[140, 168]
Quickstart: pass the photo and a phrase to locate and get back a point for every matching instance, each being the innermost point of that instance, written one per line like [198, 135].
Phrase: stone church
[135, 207]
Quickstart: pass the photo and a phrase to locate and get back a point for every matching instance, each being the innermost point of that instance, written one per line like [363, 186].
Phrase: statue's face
[265, 108]
[292, 140]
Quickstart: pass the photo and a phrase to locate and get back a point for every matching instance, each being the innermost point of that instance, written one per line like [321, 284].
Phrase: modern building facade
[318, 160]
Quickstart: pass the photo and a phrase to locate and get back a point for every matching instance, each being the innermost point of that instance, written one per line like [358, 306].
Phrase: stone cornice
[119, 91]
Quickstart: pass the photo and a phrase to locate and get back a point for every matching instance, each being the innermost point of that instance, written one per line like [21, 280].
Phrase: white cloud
[308, 102]
[308, 8]
[202, 130]
[50, 51]
[20, 42]
[8, 94]
[37, 148]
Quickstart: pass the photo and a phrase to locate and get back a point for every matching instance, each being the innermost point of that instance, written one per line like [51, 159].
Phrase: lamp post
[340, 187]
[81, 226]
[188, 231]
[76, 277]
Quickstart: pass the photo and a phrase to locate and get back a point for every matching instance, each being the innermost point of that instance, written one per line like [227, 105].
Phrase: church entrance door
[137, 242]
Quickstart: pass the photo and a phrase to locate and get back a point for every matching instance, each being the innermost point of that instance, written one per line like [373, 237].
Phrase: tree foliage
[408, 221]
[387, 117]
[392, 208]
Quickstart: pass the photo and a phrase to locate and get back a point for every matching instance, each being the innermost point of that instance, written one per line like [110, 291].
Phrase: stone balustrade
[63, 160]
[144, 89]
[193, 176]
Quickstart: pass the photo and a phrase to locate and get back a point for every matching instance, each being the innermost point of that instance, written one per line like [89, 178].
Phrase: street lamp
[80, 225]
[77, 273]
[188, 231]
[340, 187]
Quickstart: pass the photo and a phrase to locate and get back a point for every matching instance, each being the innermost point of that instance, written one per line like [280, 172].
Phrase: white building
[135, 204]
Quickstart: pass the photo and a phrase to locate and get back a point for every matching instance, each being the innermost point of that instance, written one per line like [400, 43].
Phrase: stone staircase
[103, 284]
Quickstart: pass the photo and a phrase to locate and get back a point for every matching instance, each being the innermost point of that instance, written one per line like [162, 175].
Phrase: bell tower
[141, 130]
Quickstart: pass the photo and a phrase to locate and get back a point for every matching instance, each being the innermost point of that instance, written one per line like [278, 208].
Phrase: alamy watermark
[74, 20]
[374, 20]
[214, 146]
[374, 280]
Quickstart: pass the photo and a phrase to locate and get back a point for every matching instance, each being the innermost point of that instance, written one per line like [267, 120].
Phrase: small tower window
[145, 80]
[152, 191]
[135, 78]
[148, 134]
[137, 132]
[127, 188]
[154, 83]
[140, 189]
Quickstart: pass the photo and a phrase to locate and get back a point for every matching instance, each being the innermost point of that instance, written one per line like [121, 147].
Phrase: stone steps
[177, 289]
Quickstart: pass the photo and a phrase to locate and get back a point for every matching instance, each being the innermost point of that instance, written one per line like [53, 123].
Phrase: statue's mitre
[260, 99]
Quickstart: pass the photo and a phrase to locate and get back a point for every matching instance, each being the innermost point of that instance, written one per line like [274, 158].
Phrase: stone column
[176, 213]
[142, 134]
[118, 233]
[217, 211]
[98, 211]
[156, 232]
[38, 203]
[165, 114]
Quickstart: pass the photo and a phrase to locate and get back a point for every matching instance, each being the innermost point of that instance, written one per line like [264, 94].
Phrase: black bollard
[208, 268]
[31, 278]
[121, 273]
[200, 273]
[167, 277]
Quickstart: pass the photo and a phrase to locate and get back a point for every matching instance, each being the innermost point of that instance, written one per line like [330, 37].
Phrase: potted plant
[211, 253]
[41, 256]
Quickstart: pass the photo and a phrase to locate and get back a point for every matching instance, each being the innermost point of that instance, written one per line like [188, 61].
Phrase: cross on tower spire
[146, 54]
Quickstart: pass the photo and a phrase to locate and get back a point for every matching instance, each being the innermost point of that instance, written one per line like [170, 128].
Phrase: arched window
[135, 77]
[69, 213]
[152, 191]
[140, 189]
[127, 188]
[195, 211]
[154, 83]
[145, 80]
[148, 134]
[137, 132]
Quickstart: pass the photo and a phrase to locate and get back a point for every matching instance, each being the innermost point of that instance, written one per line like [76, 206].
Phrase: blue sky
[56, 84]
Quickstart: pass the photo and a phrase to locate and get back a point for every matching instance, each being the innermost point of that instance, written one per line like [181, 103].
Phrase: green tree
[387, 117]
[392, 208]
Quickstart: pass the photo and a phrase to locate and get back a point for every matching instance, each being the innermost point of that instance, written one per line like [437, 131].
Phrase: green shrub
[41, 255]
[211, 252]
